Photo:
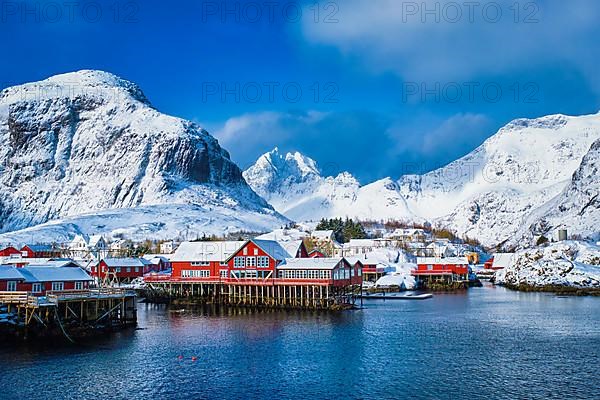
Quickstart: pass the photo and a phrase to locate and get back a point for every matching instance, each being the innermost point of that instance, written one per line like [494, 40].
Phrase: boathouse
[121, 270]
[40, 251]
[39, 279]
[10, 252]
[441, 270]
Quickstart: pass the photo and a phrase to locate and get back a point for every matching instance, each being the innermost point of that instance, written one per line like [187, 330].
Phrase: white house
[168, 247]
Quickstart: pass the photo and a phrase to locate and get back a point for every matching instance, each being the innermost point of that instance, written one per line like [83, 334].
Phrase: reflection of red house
[442, 270]
[9, 251]
[40, 251]
[488, 264]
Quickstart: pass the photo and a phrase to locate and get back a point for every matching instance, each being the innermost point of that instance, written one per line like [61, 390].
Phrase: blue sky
[377, 88]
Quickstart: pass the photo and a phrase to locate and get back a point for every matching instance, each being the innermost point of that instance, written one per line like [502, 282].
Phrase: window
[118, 269]
[193, 273]
[200, 263]
[128, 270]
[255, 252]
[245, 251]
[250, 261]
[137, 269]
[36, 288]
[224, 274]
[58, 286]
[11, 286]
[263, 262]
[78, 285]
[239, 262]
[430, 267]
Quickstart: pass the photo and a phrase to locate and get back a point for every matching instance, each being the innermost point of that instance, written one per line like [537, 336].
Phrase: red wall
[102, 269]
[459, 269]
[9, 251]
[46, 286]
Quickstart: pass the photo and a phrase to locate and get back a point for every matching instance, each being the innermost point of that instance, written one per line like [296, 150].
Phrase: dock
[272, 293]
[69, 312]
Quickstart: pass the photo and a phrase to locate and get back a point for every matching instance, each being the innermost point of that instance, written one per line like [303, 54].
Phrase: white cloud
[390, 35]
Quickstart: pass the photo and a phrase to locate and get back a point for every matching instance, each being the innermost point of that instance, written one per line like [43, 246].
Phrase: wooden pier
[77, 311]
[273, 293]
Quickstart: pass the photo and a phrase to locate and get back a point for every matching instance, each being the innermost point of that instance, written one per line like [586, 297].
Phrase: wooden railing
[13, 297]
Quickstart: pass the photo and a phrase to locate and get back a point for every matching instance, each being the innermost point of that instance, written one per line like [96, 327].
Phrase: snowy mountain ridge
[90, 141]
[487, 194]
[293, 184]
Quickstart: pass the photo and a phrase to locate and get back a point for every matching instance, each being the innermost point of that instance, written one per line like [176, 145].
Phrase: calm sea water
[486, 344]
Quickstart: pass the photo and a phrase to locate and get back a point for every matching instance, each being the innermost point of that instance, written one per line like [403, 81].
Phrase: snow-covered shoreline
[564, 267]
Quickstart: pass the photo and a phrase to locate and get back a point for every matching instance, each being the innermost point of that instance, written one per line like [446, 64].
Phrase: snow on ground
[184, 221]
[569, 263]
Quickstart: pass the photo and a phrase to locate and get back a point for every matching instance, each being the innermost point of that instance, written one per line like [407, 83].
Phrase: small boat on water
[178, 311]
[398, 296]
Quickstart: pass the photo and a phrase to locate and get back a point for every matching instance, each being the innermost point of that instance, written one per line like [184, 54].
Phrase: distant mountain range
[529, 179]
[86, 152]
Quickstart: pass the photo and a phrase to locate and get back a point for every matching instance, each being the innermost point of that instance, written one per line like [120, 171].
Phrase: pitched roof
[291, 247]
[10, 273]
[273, 248]
[54, 274]
[206, 251]
[94, 239]
[310, 263]
[39, 247]
[125, 262]
[326, 234]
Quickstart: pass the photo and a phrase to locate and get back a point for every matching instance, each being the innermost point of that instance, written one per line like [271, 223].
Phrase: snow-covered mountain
[293, 184]
[489, 194]
[91, 141]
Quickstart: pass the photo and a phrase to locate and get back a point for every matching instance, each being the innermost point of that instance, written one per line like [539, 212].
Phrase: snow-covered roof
[94, 239]
[284, 235]
[206, 251]
[360, 243]
[56, 263]
[502, 260]
[10, 273]
[310, 263]
[273, 248]
[39, 247]
[327, 234]
[54, 274]
[126, 262]
[442, 260]
[163, 257]
[354, 260]
[291, 247]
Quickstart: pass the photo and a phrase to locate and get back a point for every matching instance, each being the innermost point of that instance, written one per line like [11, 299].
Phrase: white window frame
[251, 261]
[58, 286]
[262, 262]
[239, 262]
[78, 285]
[224, 274]
[195, 273]
[11, 286]
[36, 288]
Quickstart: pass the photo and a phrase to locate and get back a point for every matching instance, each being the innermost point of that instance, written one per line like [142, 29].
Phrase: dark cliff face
[69, 155]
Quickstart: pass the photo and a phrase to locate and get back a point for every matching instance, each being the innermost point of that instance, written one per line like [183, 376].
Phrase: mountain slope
[489, 194]
[88, 141]
[293, 184]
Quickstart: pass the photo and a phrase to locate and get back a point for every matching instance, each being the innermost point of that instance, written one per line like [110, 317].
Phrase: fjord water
[486, 343]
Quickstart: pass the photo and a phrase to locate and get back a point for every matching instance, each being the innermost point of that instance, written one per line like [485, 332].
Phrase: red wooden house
[334, 271]
[123, 270]
[40, 251]
[442, 270]
[40, 279]
[10, 252]
[203, 260]
[316, 254]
